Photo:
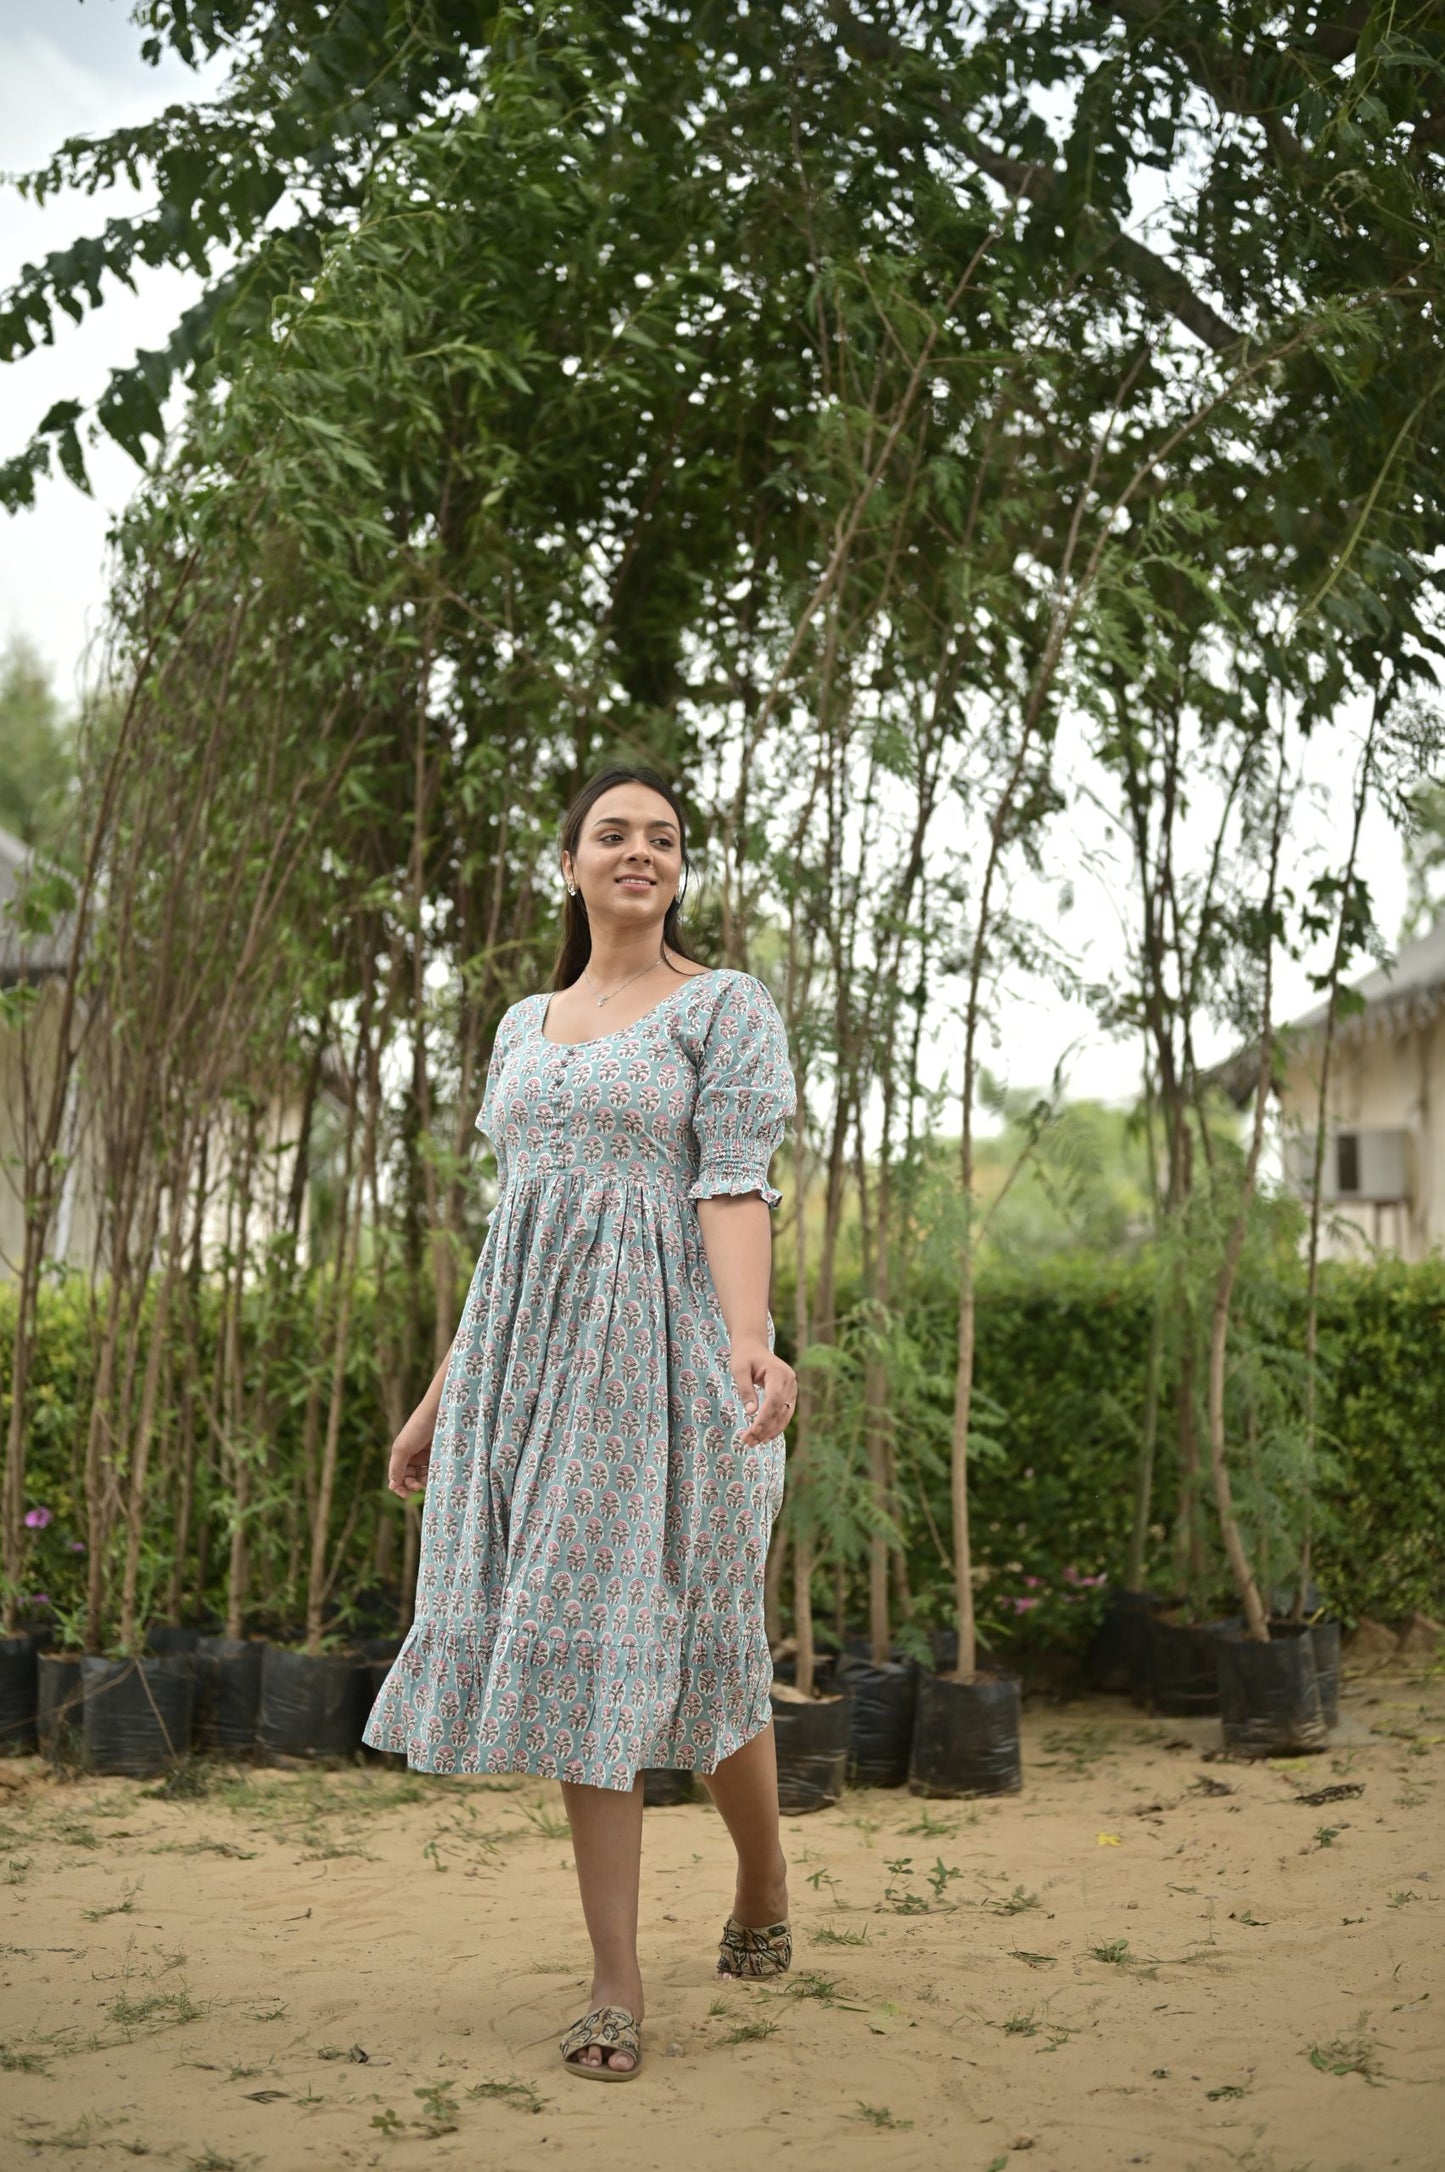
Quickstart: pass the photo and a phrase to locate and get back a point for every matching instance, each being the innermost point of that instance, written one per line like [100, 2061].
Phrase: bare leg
[606, 1827]
[745, 1790]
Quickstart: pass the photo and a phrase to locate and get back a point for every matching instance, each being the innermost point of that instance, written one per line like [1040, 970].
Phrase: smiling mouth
[635, 882]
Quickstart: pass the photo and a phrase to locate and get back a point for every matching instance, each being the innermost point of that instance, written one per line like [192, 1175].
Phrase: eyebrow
[661, 824]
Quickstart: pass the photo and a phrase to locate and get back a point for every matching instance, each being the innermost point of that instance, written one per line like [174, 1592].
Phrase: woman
[602, 1448]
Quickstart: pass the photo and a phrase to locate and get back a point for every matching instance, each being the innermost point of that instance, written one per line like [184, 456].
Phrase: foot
[612, 1991]
[761, 1899]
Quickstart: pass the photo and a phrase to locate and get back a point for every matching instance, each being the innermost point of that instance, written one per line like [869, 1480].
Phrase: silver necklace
[660, 959]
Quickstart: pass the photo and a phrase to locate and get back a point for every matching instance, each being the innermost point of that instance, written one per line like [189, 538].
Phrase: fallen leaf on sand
[1109, 1840]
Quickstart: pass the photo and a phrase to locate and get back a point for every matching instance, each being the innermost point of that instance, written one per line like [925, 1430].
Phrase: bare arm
[737, 1235]
[411, 1450]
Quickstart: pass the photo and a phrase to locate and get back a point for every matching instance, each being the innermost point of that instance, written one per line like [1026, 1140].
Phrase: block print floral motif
[589, 1593]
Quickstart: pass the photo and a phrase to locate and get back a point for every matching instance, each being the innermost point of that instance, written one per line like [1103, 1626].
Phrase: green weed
[125, 1906]
[1115, 1951]
[545, 1822]
[898, 1896]
[1017, 1904]
[519, 2094]
[940, 1875]
[174, 2007]
[15, 1870]
[1078, 1747]
[928, 1827]
[189, 1779]
[751, 2032]
[1348, 2055]
[71, 1834]
[826, 1935]
[878, 2115]
[84, 2134]
[205, 1847]
[21, 2062]
[438, 2109]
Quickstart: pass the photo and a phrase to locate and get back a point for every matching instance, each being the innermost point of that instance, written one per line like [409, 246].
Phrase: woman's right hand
[410, 1462]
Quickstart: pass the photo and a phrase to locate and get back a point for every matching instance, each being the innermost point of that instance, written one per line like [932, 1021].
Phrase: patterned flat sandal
[746, 1952]
[611, 2026]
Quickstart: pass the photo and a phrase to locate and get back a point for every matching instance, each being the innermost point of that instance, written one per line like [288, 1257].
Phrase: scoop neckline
[544, 1001]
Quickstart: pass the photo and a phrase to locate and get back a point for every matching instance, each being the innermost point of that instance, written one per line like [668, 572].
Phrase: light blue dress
[589, 1595]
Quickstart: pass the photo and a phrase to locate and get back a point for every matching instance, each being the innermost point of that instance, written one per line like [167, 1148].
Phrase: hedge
[1061, 1363]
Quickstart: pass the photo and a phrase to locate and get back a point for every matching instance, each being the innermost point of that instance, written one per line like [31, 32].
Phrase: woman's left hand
[769, 1389]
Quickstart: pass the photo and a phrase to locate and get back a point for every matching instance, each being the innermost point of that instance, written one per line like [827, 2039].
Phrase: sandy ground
[1150, 1957]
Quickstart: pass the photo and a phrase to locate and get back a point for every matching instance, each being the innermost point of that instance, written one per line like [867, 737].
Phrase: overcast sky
[72, 67]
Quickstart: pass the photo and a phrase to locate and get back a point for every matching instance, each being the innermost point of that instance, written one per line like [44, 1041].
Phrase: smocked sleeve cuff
[732, 1177]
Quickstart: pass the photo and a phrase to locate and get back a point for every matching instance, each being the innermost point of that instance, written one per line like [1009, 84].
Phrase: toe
[622, 2060]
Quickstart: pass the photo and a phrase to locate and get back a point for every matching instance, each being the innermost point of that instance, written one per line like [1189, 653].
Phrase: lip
[645, 882]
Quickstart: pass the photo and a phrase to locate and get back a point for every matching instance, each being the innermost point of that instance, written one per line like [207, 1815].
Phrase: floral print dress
[589, 1594]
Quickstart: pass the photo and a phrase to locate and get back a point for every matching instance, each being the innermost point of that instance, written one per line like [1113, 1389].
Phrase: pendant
[600, 1001]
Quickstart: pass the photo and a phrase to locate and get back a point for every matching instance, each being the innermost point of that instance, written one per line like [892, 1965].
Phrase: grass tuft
[125, 1906]
[190, 1778]
[521, 2096]
[1018, 1903]
[175, 2007]
[878, 2115]
[750, 2032]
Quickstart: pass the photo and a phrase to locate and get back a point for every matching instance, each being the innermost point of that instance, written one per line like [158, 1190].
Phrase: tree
[36, 761]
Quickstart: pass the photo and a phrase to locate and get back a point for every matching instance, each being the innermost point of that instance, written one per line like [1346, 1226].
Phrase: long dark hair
[576, 945]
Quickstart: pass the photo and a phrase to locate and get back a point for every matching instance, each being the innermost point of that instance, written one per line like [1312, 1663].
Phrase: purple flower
[77, 1546]
[38, 1518]
[1021, 1606]
[38, 1598]
[1033, 1582]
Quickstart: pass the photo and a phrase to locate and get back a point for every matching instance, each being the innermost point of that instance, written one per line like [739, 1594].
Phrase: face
[628, 861]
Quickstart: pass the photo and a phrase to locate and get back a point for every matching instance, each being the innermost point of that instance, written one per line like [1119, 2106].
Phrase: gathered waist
[600, 1184]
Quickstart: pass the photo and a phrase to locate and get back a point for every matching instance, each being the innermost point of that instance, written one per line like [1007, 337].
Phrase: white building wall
[1386, 1074]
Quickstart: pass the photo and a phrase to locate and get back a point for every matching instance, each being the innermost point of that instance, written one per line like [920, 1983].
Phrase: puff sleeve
[745, 1093]
[489, 1120]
